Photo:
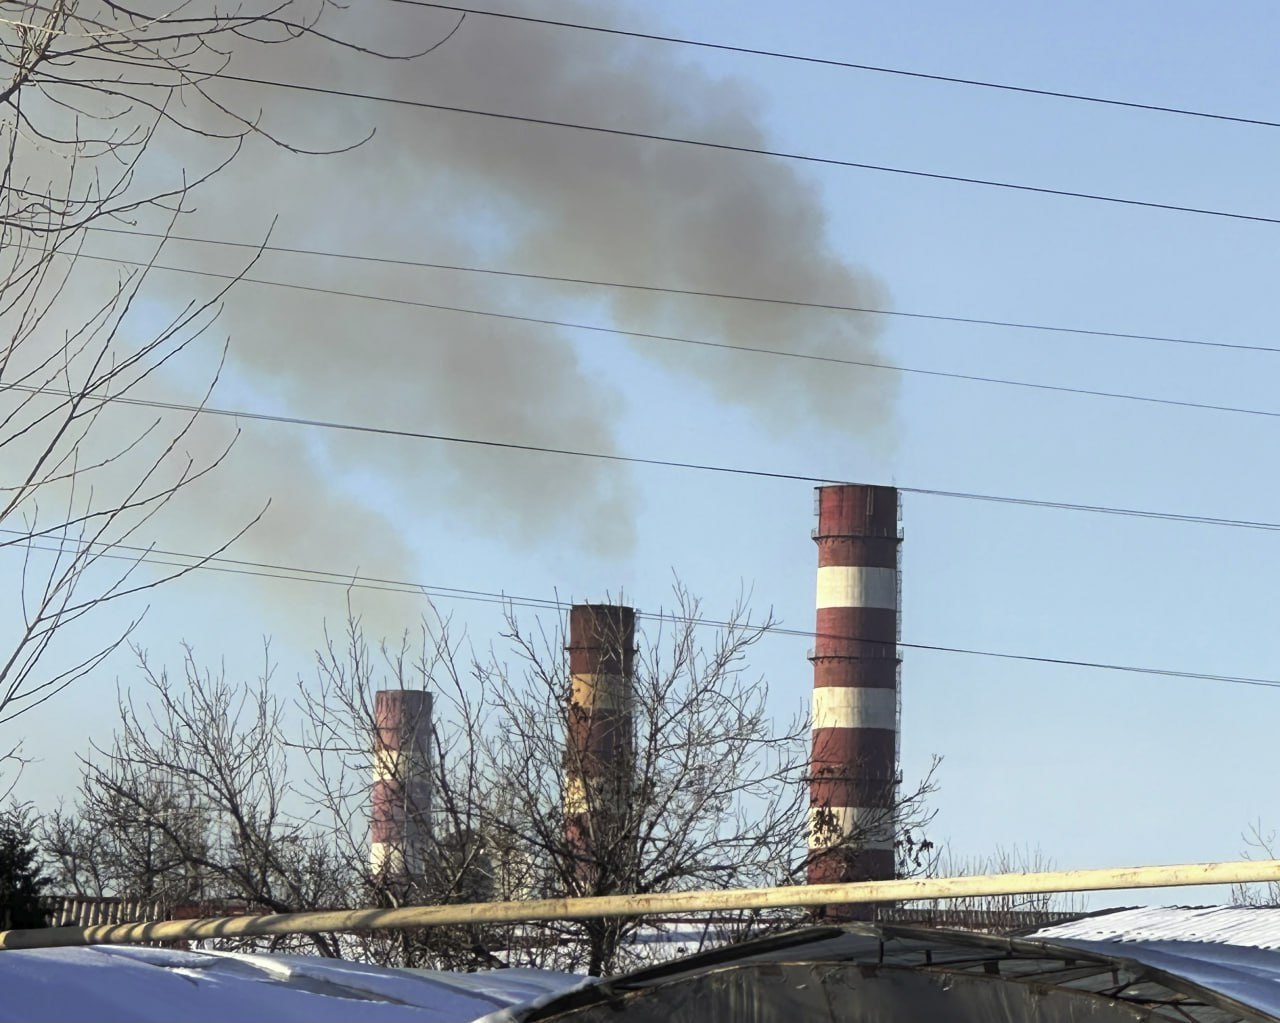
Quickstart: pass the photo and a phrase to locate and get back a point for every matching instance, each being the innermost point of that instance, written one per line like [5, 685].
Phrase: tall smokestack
[853, 782]
[599, 754]
[401, 818]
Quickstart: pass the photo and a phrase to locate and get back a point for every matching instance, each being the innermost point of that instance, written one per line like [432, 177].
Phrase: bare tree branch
[111, 111]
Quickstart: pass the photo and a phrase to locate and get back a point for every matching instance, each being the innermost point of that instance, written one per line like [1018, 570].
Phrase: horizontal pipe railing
[533, 910]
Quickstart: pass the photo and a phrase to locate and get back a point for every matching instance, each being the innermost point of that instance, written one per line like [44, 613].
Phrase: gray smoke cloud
[453, 188]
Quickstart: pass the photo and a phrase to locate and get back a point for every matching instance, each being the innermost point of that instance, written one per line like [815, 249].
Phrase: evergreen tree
[21, 881]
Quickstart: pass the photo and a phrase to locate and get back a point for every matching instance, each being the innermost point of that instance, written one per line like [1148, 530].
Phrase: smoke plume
[452, 188]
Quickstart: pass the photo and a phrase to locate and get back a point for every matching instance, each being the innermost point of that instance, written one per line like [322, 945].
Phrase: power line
[690, 292]
[829, 62]
[723, 345]
[1204, 520]
[386, 431]
[724, 147]
[638, 460]
[289, 573]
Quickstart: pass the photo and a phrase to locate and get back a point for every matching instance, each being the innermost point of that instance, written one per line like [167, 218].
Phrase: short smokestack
[853, 782]
[599, 754]
[401, 816]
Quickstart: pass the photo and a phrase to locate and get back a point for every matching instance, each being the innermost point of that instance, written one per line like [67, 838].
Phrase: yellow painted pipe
[977, 886]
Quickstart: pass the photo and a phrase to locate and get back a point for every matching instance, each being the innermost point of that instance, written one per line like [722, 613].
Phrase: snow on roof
[1245, 926]
[104, 984]
[1228, 949]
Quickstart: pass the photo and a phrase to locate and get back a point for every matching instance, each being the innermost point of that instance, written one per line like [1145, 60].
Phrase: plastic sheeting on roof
[107, 984]
[1247, 927]
[1228, 949]
[859, 973]
[868, 973]
[1249, 976]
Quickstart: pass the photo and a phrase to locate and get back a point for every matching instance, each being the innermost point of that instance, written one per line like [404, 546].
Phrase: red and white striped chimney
[401, 814]
[599, 754]
[853, 782]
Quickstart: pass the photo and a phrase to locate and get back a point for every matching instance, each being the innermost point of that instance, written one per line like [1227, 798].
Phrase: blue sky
[1095, 768]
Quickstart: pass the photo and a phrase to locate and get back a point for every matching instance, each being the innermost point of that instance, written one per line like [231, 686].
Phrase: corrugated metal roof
[1246, 927]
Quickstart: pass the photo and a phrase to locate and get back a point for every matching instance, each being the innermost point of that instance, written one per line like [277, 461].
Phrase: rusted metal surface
[857, 511]
[89, 910]
[974, 886]
[989, 920]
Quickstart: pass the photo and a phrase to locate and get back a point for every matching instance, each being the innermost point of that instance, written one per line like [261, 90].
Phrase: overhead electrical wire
[689, 292]
[850, 65]
[638, 460]
[288, 573]
[700, 343]
[1098, 509]
[724, 147]
[267, 570]
[332, 578]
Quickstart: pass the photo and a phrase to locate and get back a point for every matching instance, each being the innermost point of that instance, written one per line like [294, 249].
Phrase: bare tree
[117, 850]
[716, 792]
[458, 861]
[205, 800]
[193, 803]
[713, 794]
[999, 914]
[112, 114]
[1260, 843]
[709, 795]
